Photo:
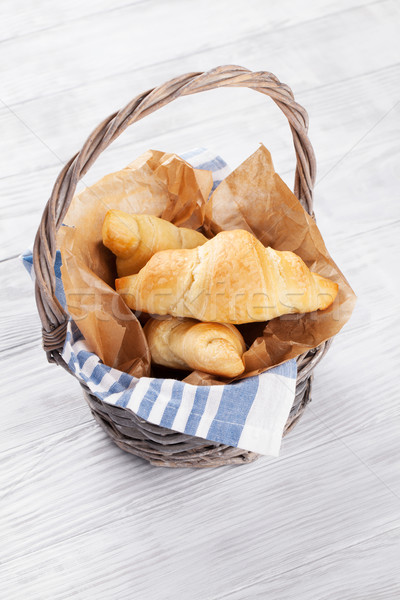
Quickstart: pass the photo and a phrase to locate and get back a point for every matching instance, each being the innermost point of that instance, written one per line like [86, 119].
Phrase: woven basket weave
[156, 444]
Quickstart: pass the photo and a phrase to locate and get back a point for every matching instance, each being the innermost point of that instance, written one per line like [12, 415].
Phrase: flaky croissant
[188, 344]
[232, 278]
[135, 238]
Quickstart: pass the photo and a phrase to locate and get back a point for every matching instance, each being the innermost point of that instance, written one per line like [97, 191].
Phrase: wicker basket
[156, 444]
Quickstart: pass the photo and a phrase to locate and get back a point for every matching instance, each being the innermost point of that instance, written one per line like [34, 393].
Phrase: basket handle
[53, 316]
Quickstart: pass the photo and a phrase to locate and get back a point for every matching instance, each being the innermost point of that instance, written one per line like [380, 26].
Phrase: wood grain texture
[137, 514]
[337, 575]
[330, 114]
[81, 519]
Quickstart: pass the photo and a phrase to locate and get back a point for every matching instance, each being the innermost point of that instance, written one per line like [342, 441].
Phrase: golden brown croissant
[188, 344]
[135, 238]
[232, 278]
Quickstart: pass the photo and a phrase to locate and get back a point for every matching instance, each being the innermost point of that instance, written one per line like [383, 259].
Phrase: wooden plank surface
[80, 518]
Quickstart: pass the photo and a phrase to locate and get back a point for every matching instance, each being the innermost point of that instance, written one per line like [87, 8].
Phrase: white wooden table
[80, 518]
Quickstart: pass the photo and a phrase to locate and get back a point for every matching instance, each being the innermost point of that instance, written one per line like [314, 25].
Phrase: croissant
[188, 344]
[232, 278]
[135, 238]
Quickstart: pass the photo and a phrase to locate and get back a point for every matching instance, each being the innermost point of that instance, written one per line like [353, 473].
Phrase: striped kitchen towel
[249, 414]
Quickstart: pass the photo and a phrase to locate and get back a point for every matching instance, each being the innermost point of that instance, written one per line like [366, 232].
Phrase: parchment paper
[253, 197]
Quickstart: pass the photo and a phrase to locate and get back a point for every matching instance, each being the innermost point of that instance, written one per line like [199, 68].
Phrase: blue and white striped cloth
[249, 414]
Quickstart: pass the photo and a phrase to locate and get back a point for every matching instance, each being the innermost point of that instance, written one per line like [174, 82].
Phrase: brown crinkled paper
[253, 197]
